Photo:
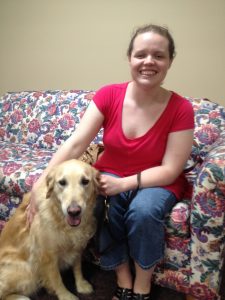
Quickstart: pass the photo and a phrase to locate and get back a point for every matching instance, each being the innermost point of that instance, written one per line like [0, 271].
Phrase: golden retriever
[32, 256]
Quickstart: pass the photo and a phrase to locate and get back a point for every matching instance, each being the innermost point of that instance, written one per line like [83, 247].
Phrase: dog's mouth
[73, 215]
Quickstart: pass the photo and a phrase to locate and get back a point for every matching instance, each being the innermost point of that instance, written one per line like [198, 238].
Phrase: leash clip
[106, 217]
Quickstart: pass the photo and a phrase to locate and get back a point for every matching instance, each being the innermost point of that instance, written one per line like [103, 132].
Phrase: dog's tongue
[73, 221]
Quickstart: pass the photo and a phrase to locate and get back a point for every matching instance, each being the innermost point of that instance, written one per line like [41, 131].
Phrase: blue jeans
[138, 227]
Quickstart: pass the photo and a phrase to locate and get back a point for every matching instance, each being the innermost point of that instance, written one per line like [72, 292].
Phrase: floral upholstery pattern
[34, 124]
[42, 119]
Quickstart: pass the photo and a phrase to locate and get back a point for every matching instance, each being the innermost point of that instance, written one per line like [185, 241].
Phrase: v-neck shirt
[125, 156]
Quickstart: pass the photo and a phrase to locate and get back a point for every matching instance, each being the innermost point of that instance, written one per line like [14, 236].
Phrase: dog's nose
[74, 210]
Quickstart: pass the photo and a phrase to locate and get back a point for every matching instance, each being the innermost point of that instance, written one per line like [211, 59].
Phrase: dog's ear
[96, 178]
[50, 180]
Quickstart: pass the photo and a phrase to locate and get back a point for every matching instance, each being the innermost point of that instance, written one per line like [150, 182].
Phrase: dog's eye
[62, 182]
[84, 181]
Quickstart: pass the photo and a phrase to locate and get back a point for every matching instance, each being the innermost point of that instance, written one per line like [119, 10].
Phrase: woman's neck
[146, 97]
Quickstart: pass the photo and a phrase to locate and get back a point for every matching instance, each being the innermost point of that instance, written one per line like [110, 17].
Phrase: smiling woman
[147, 130]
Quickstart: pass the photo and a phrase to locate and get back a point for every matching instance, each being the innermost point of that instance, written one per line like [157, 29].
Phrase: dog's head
[74, 184]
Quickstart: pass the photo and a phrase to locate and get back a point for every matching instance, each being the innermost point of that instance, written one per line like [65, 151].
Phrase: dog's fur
[32, 256]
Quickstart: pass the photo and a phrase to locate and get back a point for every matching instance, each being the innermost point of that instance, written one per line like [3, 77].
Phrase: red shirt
[123, 156]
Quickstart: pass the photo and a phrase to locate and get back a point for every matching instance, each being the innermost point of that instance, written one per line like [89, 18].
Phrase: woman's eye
[140, 56]
[159, 56]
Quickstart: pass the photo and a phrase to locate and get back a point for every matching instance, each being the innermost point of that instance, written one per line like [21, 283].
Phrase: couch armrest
[208, 219]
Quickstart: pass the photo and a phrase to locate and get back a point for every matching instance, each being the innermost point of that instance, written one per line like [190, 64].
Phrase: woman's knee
[151, 203]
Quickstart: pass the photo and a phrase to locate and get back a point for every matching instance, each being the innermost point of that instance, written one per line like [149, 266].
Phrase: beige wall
[81, 44]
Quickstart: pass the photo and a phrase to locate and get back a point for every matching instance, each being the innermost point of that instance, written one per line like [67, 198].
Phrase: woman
[148, 134]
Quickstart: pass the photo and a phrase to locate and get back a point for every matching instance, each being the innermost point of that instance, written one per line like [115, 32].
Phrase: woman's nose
[149, 59]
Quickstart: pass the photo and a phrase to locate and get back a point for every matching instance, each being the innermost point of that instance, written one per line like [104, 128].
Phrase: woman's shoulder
[181, 110]
[180, 101]
[109, 95]
[177, 97]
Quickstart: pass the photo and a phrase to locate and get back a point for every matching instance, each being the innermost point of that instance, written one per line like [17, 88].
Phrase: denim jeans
[137, 226]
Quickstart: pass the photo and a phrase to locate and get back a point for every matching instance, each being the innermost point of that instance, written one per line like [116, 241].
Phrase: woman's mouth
[148, 73]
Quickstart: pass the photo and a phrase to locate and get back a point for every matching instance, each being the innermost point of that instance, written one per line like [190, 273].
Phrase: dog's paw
[84, 287]
[67, 296]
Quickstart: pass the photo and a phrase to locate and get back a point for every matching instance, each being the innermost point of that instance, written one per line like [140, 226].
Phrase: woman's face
[149, 59]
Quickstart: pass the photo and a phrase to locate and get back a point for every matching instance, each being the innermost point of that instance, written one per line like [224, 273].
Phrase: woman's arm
[178, 149]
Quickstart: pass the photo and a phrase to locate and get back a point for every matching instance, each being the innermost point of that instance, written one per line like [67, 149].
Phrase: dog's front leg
[82, 285]
[52, 281]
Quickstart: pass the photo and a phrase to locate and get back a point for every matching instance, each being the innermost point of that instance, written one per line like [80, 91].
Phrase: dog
[32, 256]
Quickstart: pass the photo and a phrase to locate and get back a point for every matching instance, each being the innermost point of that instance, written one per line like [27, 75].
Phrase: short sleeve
[184, 116]
[101, 99]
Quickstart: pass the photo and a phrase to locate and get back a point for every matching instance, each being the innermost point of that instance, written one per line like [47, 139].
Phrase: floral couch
[34, 124]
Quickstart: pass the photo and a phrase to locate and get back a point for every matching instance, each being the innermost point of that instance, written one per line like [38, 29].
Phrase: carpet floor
[104, 285]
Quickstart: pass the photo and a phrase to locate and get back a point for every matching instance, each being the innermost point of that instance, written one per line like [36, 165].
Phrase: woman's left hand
[110, 185]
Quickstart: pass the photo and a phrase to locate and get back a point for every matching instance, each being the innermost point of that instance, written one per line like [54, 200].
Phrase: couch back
[42, 119]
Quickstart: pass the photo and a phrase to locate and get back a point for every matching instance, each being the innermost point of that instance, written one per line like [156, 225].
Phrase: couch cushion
[20, 166]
